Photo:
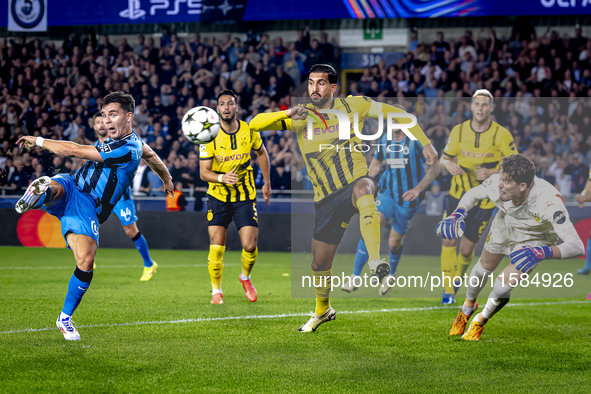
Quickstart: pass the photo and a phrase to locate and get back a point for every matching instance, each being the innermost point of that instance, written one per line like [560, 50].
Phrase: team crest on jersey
[537, 219]
[105, 148]
[559, 217]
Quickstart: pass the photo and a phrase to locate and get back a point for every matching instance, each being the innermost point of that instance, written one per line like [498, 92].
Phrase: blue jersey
[127, 193]
[405, 167]
[106, 182]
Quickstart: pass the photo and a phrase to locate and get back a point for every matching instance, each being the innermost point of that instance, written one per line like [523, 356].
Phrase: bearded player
[342, 186]
[225, 164]
[478, 145]
[531, 218]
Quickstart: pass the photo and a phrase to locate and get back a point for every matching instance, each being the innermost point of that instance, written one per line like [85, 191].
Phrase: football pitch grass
[164, 336]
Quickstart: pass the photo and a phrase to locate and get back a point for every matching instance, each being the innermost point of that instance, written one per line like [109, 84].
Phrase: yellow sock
[248, 260]
[322, 281]
[369, 222]
[449, 260]
[215, 265]
[463, 264]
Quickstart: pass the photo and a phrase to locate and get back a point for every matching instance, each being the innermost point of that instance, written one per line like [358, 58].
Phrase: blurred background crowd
[541, 86]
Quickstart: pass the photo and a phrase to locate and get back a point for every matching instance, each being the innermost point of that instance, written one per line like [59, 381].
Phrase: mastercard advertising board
[37, 228]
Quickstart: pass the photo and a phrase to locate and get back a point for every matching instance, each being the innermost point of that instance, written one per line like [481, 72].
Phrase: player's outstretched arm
[62, 148]
[156, 164]
[266, 170]
[271, 121]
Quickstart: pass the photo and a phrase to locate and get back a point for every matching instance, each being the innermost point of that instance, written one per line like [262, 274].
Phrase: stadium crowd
[541, 86]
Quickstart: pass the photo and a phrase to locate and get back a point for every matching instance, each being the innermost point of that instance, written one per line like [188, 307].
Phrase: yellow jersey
[473, 150]
[232, 152]
[332, 163]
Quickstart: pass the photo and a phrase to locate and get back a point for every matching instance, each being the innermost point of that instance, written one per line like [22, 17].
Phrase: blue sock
[588, 261]
[79, 283]
[360, 258]
[142, 247]
[395, 259]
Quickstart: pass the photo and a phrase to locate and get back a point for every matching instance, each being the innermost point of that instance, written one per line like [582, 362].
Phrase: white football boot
[66, 326]
[315, 320]
[34, 192]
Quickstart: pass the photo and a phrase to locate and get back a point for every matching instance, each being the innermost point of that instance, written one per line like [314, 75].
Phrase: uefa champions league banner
[36, 15]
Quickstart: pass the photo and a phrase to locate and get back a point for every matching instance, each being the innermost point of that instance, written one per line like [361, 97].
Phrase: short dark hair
[519, 168]
[227, 92]
[97, 114]
[125, 100]
[325, 68]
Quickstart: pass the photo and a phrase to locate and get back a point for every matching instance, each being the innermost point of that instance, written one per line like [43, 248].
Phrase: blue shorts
[125, 210]
[76, 210]
[400, 216]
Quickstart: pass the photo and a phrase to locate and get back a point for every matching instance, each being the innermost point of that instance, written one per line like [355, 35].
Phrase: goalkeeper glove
[452, 227]
[528, 257]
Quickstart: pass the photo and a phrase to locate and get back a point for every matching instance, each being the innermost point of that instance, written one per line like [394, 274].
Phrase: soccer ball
[201, 125]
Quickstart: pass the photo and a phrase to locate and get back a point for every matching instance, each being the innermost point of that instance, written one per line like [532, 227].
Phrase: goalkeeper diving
[531, 218]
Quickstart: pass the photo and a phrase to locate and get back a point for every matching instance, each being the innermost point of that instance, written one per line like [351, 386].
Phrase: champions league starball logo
[27, 13]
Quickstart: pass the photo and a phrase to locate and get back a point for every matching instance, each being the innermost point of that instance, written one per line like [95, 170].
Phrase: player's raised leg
[322, 276]
[248, 237]
[369, 223]
[41, 191]
[84, 248]
[215, 261]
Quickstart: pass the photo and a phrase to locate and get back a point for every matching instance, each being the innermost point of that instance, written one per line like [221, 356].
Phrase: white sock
[478, 320]
[244, 277]
[64, 316]
[468, 311]
[216, 291]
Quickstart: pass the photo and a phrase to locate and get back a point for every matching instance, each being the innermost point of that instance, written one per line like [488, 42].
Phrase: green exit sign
[373, 29]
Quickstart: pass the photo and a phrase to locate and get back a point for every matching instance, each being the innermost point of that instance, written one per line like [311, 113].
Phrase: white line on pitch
[110, 266]
[252, 317]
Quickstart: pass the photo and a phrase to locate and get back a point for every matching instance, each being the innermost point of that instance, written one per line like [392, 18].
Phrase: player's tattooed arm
[63, 148]
[156, 164]
[266, 170]
[431, 172]
[375, 169]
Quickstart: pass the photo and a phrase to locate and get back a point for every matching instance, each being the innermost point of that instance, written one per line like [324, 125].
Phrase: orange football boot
[459, 325]
[249, 291]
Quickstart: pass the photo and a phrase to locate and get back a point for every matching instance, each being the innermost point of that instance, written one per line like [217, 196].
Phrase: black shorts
[334, 213]
[476, 221]
[244, 213]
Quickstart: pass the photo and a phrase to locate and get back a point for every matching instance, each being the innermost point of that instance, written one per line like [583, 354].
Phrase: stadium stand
[53, 91]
